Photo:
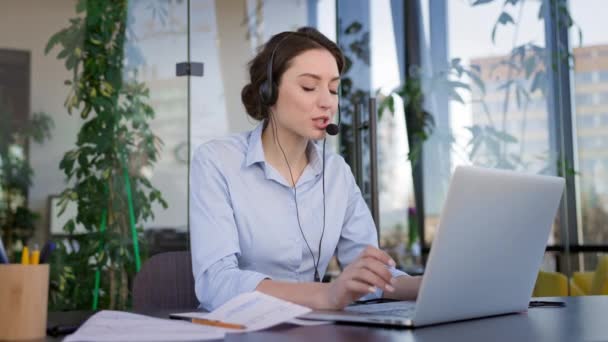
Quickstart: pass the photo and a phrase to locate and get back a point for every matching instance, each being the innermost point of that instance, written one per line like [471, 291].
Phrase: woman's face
[308, 94]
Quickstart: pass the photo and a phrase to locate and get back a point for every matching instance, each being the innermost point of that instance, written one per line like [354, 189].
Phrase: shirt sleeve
[214, 237]
[358, 230]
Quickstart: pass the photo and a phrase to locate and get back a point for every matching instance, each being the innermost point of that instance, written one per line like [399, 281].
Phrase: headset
[268, 92]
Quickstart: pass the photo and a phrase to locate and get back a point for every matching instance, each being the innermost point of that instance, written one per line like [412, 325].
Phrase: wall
[27, 25]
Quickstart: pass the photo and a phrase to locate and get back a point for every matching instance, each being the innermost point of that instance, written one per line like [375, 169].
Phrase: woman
[269, 209]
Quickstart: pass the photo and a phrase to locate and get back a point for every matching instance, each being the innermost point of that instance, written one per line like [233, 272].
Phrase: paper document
[124, 326]
[255, 310]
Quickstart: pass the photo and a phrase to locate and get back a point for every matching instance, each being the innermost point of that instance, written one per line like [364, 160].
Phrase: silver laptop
[485, 256]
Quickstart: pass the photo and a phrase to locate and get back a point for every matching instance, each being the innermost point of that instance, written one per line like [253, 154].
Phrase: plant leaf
[453, 94]
[353, 28]
[481, 2]
[503, 19]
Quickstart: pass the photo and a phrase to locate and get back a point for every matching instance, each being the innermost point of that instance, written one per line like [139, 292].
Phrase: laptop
[485, 256]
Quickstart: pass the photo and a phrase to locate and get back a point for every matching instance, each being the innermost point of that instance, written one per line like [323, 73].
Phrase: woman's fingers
[359, 287]
[370, 278]
[368, 273]
[378, 269]
[378, 254]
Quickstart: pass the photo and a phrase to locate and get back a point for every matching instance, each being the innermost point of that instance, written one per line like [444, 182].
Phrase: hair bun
[251, 101]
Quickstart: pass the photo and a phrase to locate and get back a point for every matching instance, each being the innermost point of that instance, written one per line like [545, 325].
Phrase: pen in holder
[23, 301]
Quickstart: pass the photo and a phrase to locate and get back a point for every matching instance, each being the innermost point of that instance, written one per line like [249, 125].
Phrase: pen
[47, 249]
[545, 303]
[3, 257]
[217, 323]
[35, 256]
[25, 256]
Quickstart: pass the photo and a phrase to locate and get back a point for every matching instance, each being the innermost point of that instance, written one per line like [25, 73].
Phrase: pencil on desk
[25, 256]
[217, 323]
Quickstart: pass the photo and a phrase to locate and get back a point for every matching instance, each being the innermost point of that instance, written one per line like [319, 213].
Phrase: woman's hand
[364, 275]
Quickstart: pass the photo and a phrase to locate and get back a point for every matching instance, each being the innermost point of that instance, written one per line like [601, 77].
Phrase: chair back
[165, 282]
[550, 284]
[599, 283]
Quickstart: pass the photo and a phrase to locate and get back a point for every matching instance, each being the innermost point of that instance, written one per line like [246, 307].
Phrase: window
[584, 99]
[519, 128]
[593, 174]
[371, 34]
[587, 121]
[589, 142]
[583, 77]
[603, 98]
[603, 120]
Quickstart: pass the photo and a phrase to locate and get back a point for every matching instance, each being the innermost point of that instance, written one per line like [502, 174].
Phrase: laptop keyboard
[394, 309]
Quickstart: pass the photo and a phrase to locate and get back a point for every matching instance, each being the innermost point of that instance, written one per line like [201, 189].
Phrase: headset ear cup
[268, 93]
[274, 94]
[265, 93]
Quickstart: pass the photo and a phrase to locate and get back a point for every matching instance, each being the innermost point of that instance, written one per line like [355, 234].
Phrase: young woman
[269, 208]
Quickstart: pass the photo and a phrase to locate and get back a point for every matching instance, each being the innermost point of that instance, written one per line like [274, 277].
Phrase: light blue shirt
[243, 225]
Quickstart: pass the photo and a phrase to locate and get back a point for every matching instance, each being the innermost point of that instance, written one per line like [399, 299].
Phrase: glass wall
[93, 117]
[100, 161]
[371, 34]
[590, 114]
[520, 100]
[398, 235]
[485, 72]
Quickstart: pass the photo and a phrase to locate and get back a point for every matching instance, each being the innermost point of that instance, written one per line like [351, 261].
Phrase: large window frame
[562, 131]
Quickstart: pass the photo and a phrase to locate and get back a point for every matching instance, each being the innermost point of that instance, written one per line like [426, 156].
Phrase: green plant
[419, 122]
[526, 74]
[104, 170]
[17, 221]
[490, 144]
[355, 45]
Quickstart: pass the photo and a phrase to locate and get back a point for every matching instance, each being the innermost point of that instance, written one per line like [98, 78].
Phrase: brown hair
[286, 46]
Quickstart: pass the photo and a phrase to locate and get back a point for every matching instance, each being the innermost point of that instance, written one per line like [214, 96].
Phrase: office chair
[580, 283]
[165, 282]
[592, 283]
[550, 284]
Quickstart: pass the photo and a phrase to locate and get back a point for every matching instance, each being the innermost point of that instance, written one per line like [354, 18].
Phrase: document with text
[251, 311]
[110, 325]
[254, 310]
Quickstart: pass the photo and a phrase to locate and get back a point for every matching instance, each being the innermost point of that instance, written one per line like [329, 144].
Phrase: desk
[583, 319]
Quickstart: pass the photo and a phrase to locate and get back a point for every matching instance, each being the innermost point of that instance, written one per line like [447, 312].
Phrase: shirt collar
[255, 150]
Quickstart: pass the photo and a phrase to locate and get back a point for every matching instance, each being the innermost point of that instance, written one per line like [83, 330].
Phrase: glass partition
[590, 116]
[93, 115]
[488, 63]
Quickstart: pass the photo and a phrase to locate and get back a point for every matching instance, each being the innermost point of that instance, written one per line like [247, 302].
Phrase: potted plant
[106, 169]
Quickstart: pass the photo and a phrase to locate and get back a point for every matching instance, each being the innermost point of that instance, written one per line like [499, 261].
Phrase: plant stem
[111, 271]
[503, 149]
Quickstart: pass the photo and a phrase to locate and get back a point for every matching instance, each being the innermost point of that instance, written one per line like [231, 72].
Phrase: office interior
[517, 85]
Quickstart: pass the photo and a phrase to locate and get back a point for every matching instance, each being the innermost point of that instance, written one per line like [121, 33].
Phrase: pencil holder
[23, 301]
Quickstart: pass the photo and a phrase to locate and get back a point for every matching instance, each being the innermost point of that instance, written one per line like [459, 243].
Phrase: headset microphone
[332, 129]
